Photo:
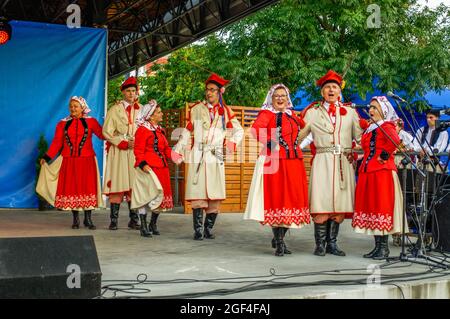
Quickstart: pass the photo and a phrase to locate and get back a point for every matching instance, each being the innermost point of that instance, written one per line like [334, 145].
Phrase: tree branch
[324, 24]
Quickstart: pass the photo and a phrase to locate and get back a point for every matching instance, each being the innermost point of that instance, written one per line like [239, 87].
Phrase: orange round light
[4, 37]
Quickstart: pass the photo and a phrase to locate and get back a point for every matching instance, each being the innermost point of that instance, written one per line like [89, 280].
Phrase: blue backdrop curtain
[41, 67]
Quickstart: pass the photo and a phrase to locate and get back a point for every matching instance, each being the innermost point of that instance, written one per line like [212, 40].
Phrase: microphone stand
[403, 256]
[427, 160]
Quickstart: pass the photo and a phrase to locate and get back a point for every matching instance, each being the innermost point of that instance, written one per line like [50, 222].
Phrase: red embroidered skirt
[163, 175]
[374, 201]
[286, 194]
[77, 183]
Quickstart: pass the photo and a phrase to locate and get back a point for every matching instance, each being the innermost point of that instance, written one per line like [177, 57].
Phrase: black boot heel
[145, 232]
[88, 220]
[76, 220]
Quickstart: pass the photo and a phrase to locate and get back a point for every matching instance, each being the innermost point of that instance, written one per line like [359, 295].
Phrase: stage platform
[239, 263]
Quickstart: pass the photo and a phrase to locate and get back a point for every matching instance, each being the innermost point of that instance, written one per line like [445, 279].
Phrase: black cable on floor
[271, 281]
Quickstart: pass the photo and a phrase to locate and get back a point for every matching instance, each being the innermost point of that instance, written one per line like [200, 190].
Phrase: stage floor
[237, 264]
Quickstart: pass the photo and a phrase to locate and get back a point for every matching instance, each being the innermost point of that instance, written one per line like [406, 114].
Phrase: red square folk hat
[131, 81]
[217, 80]
[331, 76]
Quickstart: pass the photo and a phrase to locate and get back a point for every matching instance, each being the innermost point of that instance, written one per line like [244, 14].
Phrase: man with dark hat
[119, 130]
[334, 126]
[214, 126]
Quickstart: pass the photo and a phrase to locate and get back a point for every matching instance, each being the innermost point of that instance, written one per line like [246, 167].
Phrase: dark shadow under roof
[139, 31]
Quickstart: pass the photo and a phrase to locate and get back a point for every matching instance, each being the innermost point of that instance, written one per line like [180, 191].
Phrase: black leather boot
[278, 234]
[114, 216]
[274, 243]
[332, 233]
[152, 226]
[283, 233]
[383, 252]
[76, 220]
[210, 219]
[88, 221]
[134, 219]
[377, 247]
[145, 232]
[320, 233]
[197, 218]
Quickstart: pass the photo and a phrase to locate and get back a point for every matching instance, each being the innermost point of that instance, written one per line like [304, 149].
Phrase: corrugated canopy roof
[139, 30]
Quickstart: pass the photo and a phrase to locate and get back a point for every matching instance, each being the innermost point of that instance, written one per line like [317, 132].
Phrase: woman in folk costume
[333, 126]
[214, 125]
[119, 129]
[76, 185]
[379, 200]
[152, 152]
[279, 193]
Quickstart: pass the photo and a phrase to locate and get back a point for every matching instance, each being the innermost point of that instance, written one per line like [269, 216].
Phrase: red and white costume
[279, 192]
[378, 200]
[152, 148]
[212, 127]
[78, 178]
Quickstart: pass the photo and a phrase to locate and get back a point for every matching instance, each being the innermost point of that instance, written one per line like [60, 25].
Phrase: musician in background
[432, 140]
[406, 138]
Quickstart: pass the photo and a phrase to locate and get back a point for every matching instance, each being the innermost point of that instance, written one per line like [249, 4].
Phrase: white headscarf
[84, 107]
[83, 103]
[145, 112]
[388, 111]
[267, 105]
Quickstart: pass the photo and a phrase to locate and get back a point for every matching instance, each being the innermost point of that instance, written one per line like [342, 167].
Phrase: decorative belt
[208, 147]
[336, 150]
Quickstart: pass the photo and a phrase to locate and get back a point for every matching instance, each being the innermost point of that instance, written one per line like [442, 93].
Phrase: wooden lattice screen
[238, 167]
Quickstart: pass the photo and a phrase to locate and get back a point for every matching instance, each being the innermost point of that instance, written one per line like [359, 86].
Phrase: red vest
[74, 138]
[265, 127]
[374, 143]
[151, 147]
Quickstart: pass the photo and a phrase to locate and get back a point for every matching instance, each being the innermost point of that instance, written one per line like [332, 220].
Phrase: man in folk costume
[210, 122]
[119, 130]
[333, 126]
[430, 139]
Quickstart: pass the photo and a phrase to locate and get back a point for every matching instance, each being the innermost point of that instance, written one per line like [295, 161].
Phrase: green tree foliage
[114, 93]
[180, 80]
[297, 41]
[42, 147]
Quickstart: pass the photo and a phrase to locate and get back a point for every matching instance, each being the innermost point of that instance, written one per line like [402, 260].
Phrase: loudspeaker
[49, 267]
[441, 229]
